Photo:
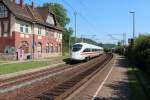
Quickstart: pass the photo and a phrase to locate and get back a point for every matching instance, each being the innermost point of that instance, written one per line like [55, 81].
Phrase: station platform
[110, 84]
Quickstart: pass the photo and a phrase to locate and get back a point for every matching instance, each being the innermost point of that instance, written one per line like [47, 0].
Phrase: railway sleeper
[58, 90]
[51, 94]
[62, 87]
[44, 97]
[74, 80]
[69, 84]
[65, 85]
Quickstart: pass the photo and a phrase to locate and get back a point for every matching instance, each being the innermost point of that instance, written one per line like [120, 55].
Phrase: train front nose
[74, 55]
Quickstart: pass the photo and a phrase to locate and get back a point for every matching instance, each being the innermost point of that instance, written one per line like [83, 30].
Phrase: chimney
[33, 5]
[21, 3]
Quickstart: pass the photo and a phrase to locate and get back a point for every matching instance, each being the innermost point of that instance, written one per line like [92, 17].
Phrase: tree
[67, 35]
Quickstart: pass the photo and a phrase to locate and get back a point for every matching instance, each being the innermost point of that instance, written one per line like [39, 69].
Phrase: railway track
[61, 91]
[58, 82]
[4, 83]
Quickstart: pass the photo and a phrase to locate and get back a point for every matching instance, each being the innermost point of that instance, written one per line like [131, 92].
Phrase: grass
[15, 67]
[136, 88]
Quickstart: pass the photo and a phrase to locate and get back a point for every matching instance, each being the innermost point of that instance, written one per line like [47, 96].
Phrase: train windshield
[76, 47]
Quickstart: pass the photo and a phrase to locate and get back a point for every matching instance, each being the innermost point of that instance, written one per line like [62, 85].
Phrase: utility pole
[82, 39]
[124, 39]
[133, 15]
[33, 41]
[69, 45]
[75, 26]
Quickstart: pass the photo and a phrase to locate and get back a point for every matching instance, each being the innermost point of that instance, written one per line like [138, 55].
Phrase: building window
[46, 33]
[3, 11]
[5, 26]
[21, 28]
[27, 28]
[39, 31]
[24, 28]
[50, 19]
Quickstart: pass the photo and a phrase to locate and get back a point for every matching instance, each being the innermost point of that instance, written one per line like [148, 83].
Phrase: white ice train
[84, 51]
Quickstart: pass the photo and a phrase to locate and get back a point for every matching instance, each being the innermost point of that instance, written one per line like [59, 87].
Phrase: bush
[120, 50]
[107, 50]
[139, 54]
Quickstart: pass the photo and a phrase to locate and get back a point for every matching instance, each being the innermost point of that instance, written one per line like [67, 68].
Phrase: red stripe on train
[87, 53]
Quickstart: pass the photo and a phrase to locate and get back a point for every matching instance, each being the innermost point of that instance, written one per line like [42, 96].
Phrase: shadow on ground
[121, 90]
[71, 62]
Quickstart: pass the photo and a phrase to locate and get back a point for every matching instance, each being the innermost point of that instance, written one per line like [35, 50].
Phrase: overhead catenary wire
[80, 15]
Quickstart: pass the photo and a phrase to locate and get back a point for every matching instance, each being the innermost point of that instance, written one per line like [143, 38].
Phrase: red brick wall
[5, 42]
[19, 39]
[16, 40]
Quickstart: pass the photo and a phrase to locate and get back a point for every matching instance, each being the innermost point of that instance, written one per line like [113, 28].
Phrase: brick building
[35, 30]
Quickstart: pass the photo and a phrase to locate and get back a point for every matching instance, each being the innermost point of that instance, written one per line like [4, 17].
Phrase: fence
[28, 56]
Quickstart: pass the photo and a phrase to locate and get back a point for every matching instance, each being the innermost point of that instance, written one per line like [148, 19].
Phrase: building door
[25, 46]
[39, 47]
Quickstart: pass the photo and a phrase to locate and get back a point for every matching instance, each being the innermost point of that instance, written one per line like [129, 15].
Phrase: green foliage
[87, 40]
[107, 50]
[66, 36]
[139, 54]
[120, 50]
[135, 83]
[109, 46]
[16, 67]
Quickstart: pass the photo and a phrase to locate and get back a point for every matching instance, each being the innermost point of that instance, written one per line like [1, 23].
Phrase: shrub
[142, 52]
[120, 50]
[107, 50]
[139, 54]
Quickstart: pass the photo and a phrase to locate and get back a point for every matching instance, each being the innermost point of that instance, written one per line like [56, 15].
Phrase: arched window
[39, 47]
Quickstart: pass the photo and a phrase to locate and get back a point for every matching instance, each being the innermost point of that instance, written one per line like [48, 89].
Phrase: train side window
[77, 47]
[86, 50]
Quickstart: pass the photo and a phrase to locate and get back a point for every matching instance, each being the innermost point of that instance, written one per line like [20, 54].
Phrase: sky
[104, 17]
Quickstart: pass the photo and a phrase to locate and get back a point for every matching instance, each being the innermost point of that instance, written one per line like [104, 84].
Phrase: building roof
[27, 13]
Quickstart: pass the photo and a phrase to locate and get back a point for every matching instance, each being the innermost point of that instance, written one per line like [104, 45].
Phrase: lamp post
[133, 15]
[75, 26]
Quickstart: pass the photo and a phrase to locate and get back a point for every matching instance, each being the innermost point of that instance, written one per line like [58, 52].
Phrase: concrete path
[116, 87]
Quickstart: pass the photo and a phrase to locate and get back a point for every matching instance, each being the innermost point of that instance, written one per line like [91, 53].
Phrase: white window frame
[39, 31]
[3, 11]
[5, 26]
[24, 28]
[50, 19]
[47, 32]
